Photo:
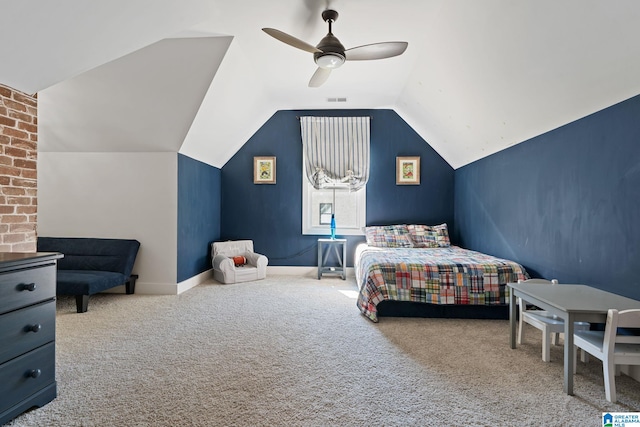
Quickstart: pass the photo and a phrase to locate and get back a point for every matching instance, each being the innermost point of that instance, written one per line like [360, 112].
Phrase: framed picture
[264, 170]
[407, 170]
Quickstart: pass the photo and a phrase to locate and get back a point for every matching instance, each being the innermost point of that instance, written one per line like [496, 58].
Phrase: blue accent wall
[199, 215]
[271, 215]
[565, 204]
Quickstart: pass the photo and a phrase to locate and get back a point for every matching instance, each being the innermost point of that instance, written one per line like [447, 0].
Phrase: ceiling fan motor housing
[332, 55]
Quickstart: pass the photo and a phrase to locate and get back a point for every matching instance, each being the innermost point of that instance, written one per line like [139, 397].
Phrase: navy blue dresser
[27, 331]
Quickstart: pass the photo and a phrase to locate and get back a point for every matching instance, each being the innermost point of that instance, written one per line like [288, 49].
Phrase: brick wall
[18, 174]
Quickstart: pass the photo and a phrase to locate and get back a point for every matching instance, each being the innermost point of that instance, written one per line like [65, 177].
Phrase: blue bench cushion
[94, 254]
[87, 282]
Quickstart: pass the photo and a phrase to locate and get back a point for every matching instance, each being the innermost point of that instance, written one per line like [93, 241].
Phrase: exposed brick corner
[18, 159]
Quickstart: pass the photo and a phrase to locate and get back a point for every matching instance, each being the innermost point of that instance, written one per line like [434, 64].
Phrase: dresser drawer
[23, 330]
[29, 286]
[26, 375]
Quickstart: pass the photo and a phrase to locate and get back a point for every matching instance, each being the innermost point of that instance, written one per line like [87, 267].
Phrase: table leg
[337, 252]
[319, 260]
[327, 252]
[512, 318]
[568, 354]
[344, 261]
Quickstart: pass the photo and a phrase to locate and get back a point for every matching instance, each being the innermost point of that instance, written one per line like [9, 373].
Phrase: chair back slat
[620, 319]
[629, 318]
[628, 339]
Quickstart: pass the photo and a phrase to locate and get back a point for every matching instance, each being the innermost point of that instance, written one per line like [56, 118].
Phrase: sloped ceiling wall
[144, 101]
[234, 108]
[496, 73]
[48, 42]
[478, 76]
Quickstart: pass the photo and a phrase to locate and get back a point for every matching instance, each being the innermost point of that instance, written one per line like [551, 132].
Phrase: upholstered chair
[234, 261]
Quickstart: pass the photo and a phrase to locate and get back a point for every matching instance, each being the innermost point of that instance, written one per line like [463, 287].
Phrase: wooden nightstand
[327, 246]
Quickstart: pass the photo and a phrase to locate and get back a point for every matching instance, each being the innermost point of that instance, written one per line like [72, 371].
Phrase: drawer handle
[35, 373]
[29, 287]
[34, 328]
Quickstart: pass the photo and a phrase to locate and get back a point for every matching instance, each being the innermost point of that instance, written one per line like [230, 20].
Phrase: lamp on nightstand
[333, 215]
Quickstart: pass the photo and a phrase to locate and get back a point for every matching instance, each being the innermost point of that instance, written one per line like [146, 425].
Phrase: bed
[416, 266]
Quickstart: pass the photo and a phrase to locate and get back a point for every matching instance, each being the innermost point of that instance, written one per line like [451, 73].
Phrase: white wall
[115, 195]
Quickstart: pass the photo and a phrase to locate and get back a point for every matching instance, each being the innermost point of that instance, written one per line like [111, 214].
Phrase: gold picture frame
[408, 170]
[264, 170]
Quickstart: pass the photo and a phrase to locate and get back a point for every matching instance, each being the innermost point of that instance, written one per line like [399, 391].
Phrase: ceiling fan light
[330, 60]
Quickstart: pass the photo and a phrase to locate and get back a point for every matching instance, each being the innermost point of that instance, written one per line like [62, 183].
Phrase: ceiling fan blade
[319, 77]
[376, 51]
[290, 40]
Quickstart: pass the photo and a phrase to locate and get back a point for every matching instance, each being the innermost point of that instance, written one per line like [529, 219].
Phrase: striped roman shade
[336, 151]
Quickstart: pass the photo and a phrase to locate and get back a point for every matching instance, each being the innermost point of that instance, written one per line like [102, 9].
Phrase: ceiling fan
[330, 53]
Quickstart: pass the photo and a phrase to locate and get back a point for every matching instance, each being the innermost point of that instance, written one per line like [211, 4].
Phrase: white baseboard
[633, 371]
[194, 281]
[149, 288]
[299, 271]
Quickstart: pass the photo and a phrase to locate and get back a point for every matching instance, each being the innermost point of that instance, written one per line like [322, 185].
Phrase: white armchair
[224, 267]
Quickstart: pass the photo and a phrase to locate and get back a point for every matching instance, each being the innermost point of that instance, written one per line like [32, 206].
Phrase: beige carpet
[291, 351]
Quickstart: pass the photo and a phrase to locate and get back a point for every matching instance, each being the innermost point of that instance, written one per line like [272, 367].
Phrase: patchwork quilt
[448, 275]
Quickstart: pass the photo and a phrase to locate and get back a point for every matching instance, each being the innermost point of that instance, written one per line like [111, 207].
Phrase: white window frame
[309, 228]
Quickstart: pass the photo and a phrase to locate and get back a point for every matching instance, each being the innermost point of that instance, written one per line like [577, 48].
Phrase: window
[334, 173]
[350, 210]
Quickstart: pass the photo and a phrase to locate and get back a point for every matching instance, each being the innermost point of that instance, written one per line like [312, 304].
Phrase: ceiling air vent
[336, 99]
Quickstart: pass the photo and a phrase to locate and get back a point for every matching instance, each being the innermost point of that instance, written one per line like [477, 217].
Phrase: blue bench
[91, 265]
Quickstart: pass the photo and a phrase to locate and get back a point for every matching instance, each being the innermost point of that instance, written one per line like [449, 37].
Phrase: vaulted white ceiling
[200, 77]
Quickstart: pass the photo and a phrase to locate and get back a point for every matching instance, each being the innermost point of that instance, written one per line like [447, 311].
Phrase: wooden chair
[550, 325]
[612, 347]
